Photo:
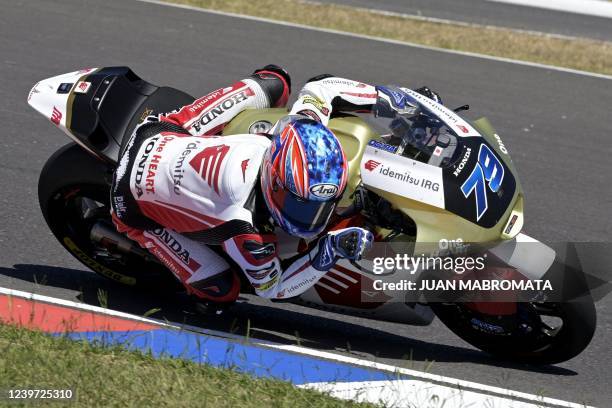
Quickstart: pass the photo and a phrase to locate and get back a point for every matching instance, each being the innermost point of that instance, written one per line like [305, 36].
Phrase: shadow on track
[282, 323]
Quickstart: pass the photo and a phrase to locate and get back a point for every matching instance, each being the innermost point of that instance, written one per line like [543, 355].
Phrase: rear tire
[74, 194]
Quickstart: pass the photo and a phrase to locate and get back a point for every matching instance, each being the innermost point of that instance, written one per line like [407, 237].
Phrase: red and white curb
[392, 386]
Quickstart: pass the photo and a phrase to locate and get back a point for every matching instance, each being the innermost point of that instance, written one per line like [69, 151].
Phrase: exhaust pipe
[109, 238]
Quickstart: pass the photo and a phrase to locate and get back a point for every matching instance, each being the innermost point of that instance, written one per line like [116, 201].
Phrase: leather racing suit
[186, 194]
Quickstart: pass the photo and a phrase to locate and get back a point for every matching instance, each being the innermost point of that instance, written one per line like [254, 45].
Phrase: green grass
[112, 376]
[580, 53]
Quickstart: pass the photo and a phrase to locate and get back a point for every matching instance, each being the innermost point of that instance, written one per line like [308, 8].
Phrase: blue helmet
[303, 176]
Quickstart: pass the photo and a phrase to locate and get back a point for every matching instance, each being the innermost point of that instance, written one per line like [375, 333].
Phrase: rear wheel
[74, 194]
[542, 333]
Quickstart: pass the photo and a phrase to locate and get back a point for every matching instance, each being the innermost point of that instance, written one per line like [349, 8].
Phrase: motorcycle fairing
[439, 187]
[98, 107]
[482, 206]
[347, 290]
[403, 176]
[494, 199]
[472, 178]
[53, 98]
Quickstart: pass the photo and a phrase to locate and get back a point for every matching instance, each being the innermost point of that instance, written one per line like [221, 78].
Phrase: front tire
[74, 194]
[527, 336]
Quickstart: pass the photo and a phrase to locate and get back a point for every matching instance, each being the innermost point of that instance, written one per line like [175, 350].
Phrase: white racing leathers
[186, 194]
[320, 97]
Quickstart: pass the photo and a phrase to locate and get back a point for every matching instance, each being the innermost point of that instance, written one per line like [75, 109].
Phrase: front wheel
[541, 333]
[74, 196]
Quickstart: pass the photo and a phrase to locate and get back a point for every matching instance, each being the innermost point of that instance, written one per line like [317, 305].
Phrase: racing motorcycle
[422, 176]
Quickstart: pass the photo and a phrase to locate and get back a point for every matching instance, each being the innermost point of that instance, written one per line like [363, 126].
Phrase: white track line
[597, 8]
[413, 393]
[380, 39]
[434, 384]
[434, 379]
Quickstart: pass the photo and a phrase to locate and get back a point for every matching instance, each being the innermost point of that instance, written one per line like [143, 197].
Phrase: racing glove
[275, 82]
[349, 243]
[392, 100]
[277, 70]
[425, 91]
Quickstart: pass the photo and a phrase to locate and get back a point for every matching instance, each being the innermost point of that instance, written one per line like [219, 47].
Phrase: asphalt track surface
[555, 124]
[496, 14]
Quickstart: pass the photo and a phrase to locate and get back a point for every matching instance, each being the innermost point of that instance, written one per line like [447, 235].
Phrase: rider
[185, 193]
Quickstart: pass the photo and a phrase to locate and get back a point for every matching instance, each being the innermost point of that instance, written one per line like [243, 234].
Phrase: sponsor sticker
[120, 206]
[64, 88]
[176, 247]
[142, 163]
[382, 146]
[403, 176]
[221, 108]
[371, 165]
[510, 224]
[462, 163]
[463, 129]
[317, 103]
[178, 171]
[203, 102]
[56, 116]
[208, 162]
[342, 81]
[324, 190]
[502, 148]
[82, 87]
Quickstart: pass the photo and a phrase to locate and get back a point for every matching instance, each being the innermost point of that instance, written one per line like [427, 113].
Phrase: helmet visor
[308, 217]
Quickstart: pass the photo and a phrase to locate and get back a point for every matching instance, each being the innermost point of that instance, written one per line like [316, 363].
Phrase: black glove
[277, 70]
[425, 91]
[275, 82]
